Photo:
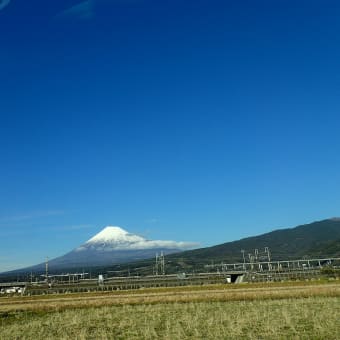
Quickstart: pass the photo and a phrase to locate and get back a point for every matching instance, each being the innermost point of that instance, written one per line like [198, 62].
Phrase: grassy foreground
[273, 312]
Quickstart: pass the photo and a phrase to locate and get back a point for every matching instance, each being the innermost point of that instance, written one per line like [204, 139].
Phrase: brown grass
[220, 293]
[293, 311]
[310, 318]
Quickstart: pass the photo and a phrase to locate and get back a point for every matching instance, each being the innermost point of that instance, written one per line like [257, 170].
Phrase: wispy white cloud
[145, 244]
[152, 220]
[73, 227]
[4, 3]
[157, 244]
[83, 10]
[117, 238]
[18, 231]
[31, 215]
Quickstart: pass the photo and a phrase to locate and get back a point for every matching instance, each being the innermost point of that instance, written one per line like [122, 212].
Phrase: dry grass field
[267, 311]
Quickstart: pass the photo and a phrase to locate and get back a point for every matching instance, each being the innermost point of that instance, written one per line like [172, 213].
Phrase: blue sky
[202, 121]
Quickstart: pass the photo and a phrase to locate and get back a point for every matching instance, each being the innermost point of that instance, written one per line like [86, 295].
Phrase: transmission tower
[46, 269]
[267, 251]
[160, 264]
[156, 264]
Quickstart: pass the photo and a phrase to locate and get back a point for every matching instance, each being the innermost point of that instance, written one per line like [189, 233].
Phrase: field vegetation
[252, 311]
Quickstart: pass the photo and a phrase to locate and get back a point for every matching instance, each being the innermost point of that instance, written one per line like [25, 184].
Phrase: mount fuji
[112, 245]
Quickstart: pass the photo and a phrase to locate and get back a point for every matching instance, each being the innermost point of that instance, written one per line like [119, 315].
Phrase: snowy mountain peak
[115, 238]
[114, 245]
[113, 234]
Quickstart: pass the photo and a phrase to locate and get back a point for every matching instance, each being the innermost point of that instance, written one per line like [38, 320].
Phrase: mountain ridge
[292, 242]
[112, 245]
[320, 239]
[316, 239]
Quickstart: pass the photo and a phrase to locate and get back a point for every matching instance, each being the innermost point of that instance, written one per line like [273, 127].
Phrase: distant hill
[314, 240]
[320, 238]
[112, 245]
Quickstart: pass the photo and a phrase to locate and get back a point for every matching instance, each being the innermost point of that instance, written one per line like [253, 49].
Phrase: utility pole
[267, 251]
[156, 265]
[251, 260]
[244, 259]
[46, 269]
[162, 264]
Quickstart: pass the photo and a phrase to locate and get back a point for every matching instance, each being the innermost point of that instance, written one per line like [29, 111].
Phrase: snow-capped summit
[114, 235]
[116, 238]
[114, 245]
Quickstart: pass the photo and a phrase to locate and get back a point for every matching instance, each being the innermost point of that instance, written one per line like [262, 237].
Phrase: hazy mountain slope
[123, 250]
[113, 245]
[317, 239]
[305, 240]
